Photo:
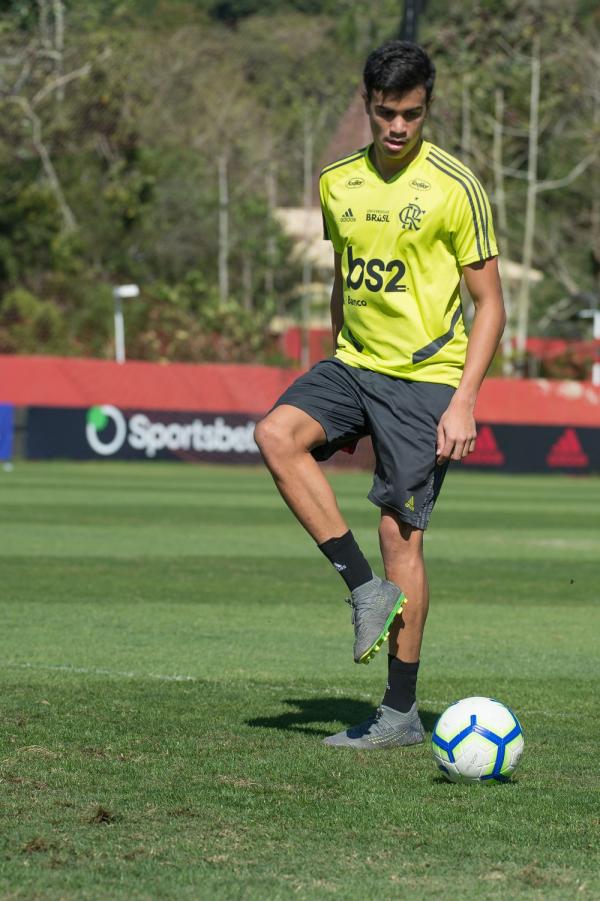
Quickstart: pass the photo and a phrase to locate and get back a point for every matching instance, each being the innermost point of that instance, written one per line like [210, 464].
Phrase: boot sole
[396, 611]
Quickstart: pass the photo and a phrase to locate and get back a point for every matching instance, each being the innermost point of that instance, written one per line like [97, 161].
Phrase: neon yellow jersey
[403, 244]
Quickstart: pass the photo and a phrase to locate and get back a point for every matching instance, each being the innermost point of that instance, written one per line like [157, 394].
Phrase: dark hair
[397, 67]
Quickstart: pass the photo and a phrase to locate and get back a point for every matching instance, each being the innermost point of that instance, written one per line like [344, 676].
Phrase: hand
[456, 434]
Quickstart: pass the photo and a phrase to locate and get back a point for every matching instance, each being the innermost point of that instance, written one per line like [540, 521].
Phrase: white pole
[119, 330]
[121, 293]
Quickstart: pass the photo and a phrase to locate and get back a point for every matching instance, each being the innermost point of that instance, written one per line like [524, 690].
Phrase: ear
[363, 94]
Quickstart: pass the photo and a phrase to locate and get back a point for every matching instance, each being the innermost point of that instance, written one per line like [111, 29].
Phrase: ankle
[400, 693]
[347, 558]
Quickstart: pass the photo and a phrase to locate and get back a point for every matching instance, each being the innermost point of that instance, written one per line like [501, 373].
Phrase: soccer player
[406, 221]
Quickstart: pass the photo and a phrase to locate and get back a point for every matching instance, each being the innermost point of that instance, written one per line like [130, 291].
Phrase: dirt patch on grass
[103, 816]
[36, 749]
[36, 845]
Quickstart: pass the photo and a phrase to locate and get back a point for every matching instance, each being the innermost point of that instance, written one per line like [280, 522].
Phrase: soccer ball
[477, 740]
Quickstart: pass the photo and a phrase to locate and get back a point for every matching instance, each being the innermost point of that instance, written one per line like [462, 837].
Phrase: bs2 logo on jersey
[371, 273]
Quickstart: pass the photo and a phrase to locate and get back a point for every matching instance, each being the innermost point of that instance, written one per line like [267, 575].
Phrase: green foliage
[29, 227]
[187, 323]
[113, 177]
[29, 325]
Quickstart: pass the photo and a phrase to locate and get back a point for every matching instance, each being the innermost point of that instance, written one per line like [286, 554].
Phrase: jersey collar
[425, 147]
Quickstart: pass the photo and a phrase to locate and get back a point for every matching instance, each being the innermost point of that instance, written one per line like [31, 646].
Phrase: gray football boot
[387, 728]
[375, 605]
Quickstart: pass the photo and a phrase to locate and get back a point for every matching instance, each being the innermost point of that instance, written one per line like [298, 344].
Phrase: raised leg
[285, 438]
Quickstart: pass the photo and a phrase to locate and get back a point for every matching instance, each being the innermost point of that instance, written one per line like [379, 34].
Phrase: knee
[272, 438]
[389, 531]
[265, 434]
[400, 542]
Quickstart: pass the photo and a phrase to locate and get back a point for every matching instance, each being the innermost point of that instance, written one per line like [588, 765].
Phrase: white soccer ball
[477, 740]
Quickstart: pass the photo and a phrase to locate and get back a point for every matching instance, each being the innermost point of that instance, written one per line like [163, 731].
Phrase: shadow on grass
[347, 711]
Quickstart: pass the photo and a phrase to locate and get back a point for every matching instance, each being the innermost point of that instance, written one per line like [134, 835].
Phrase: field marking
[92, 671]
[332, 691]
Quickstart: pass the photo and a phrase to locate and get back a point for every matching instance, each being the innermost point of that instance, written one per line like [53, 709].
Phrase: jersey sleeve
[330, 232]
[471, 226]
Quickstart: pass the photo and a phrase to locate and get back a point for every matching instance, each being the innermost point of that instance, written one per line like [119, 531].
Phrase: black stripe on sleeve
[478, 191]
[344, 162]
[469, 197]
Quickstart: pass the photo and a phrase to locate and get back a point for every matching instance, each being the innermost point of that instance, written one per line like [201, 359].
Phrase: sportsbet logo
[98, 419]
[107, 430]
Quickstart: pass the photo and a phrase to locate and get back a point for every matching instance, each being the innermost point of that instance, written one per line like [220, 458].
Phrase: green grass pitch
[174, 648]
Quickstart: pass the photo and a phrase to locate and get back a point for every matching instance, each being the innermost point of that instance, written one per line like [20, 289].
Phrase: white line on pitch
[91, 671]
[332, 691]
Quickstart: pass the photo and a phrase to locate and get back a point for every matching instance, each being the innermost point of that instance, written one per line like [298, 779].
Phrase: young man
[406, 220]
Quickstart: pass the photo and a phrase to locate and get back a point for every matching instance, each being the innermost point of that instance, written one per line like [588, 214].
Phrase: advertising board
[7, 426]
[106, 432]
[109, 432]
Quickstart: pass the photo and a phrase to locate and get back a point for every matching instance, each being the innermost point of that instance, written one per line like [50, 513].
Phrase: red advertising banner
[176, 410]
[66, 382]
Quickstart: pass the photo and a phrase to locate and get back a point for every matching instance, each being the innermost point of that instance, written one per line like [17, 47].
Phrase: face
[396, 123]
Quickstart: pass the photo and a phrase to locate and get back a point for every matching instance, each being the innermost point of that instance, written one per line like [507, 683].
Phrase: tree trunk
[503, 233]
[247, 298]
[595, 186]
[307, 266]
[59, 44]
[466, 131]
[223, 231]
[530, 209]
[271, 246]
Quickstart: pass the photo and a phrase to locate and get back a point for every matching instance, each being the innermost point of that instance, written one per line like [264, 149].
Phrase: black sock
[401, 686]
[348, 559]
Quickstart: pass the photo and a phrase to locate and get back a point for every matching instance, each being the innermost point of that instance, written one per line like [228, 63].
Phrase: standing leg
[396, 722]
[402, 551]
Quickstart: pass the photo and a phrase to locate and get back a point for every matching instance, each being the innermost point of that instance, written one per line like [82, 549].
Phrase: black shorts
[400, 416]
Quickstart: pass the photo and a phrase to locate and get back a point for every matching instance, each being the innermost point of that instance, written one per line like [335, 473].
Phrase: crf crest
[410, 216]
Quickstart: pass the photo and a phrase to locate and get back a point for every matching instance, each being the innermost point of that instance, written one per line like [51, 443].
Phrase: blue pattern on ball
[501, 743]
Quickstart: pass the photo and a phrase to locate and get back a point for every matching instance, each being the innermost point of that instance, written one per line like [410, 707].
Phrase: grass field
[173, 649]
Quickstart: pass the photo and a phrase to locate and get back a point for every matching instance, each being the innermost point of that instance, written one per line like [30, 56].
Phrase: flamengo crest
[410, 216]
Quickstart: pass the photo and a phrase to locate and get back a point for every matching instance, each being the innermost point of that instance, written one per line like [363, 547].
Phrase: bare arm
[337, 300]
[456, 430]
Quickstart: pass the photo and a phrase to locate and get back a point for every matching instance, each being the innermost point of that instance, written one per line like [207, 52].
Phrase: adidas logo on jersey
[348, 216]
